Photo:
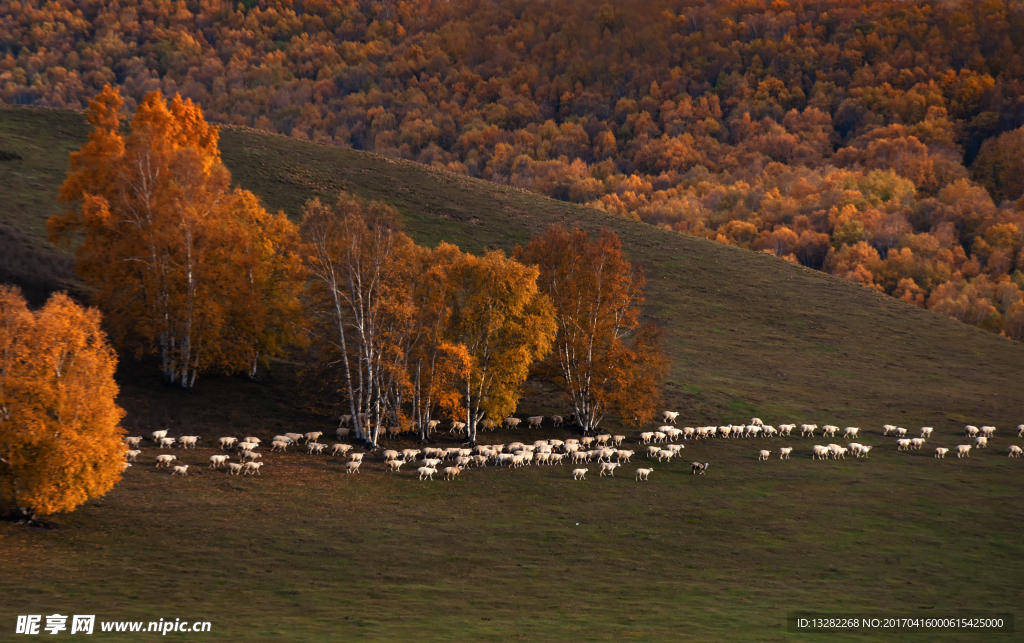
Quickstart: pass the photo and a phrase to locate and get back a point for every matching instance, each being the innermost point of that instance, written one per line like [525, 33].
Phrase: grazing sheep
[158, 435]
[535, 421]
[641, 474]
[250, 468]
[807, 430]
[188, 441]
[756, 422]
[249, 456]
[903, 444]
[1015, 451]
[963, 450]
[579, 474]
[1020, 430]
[344, 420]
[294, 437]
[862, 452]
[988, 431]
[972, 431]
[623, 456]
[851, 432]
[410, 454]
[646, 437]
[926, 431]
[829, 430]
[234, 468]
[511, 422]
[457, 427]
[342, 434]
[226, 443]
[352, 466]
[665, 454]
[660, 437]
[166, 442]
[888, 428]
[133, 442]
[784, 453]
[278, 445]
[180, 470]
[132, 454]
[699, 467]
[763, 455]
[608, 468]
[557, 420]
[451, 472]
[340, 449]
[394, 465]
[940, 452]
[981, 442]
[427, 472]
[313, 436]
[253, 439]
[165, 460]
[669, 417]
[391, 454]
[917, 443]
[356, 457]
[786, 429]
[247, 446]
[216, 461]
[652, 451]
[315, 447]
[618, 439]
[819, 452]
[901, 432]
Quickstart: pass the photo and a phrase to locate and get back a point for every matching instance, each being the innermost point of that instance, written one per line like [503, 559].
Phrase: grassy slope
[306, 552]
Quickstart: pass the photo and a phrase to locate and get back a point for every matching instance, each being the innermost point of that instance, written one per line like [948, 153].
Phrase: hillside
[747, 333]
[306, 553]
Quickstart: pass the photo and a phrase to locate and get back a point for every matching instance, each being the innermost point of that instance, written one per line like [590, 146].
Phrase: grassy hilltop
[306, 553]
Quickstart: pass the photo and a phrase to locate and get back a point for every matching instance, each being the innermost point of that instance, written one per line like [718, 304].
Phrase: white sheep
[784, 453]
[901, 432]
[669, 417]
[409, 454]
[786, 429]
[863, 451]
[226, 442]
[125, 465]
[652, 451]
[216, 461]
[511, 422]
[756, 422]
[250, 456]
[356, 457]
[1020, 430]
[608, 468]
[352, 466]
[254, 439]
[342, 433]
[340, 449]
[278, 445]
[132, 454]
[807, 430]
[665, 454]
[451, 472]
[903, 444]
[427, 472]
[166, 442]
[940, 452]
[180, 470]
[646, 437]
[763, 455]
[829, 430]
[250, 468]
[394, 465]
[247, 446]
[820, 452]
[188, 441]
[988, 431]
[888, 428]
[165, 460]
[971, 431]
[313, 436]
[926, 431]
[234, 468]
[579, 474]
[535, 421]
[641, 474]
[917, 443]
[1015, 451]
[315, 447]
[963, 450]
[981, 442]
[294, 437]
[699, 467]
[623, 456]
[133, 441]
[157, 435]
[851, 432]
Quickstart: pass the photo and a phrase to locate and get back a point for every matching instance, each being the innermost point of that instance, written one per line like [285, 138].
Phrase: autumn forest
[878, 141]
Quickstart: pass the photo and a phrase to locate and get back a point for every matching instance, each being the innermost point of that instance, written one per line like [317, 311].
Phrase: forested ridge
[879, 141]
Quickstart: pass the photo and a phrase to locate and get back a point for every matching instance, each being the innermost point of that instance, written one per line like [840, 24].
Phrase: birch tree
[60, 432]
[604, 358]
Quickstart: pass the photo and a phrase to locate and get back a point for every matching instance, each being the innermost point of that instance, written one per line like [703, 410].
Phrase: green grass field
[307, 553]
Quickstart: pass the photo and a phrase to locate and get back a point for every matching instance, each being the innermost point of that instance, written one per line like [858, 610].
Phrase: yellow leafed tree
[60, 432]
[182, 264]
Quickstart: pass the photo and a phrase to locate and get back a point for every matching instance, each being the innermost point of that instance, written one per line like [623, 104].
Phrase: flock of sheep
[603, 449]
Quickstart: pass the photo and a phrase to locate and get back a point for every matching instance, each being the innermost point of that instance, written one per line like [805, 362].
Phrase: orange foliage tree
[181, 264]
[604, 358]
[60, 432]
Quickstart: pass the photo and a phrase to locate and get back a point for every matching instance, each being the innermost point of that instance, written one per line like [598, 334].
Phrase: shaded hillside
[747, 333]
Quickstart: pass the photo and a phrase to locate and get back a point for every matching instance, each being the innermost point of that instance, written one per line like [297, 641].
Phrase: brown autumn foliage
[181, 264]
[604, 360]
[733, 120]
[60, 431]
[403, 333]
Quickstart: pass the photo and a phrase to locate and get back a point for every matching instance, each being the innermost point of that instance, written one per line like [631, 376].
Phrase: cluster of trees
[60, 428]
[675, 112]
[195, 271]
